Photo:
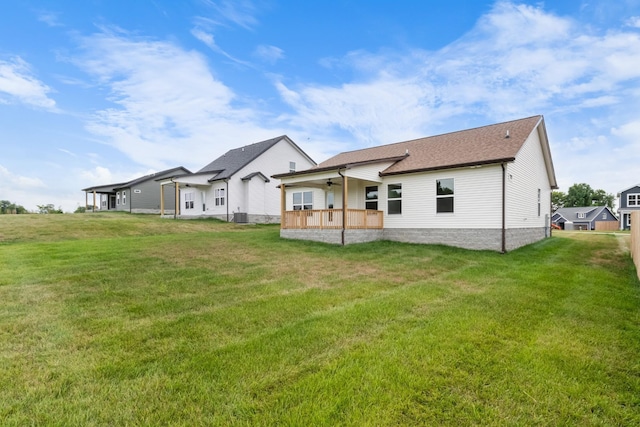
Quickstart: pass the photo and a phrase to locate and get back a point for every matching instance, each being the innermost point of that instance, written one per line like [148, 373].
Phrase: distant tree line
[580, 195]
[49, 209]
[7, 207]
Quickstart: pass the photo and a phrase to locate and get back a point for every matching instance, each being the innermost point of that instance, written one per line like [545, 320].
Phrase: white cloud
[168, 109]
[238, 12]
[17, 83]
[209, 41]
[270, 54]
[633, 21]
[49, 18]
[10, 179]
[519, 60]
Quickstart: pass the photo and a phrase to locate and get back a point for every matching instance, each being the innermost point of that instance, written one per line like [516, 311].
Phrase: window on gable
[292, 167]
[188, 200]
[394, 199]
[604, 215]
[581, 215]
[633, 199]
[371, 197]
[539, 207]
[444, 195]
[219, 196]
[302, 200]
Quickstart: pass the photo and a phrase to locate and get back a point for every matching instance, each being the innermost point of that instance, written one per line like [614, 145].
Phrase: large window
[371, 197]
[302, 200]
[188, 200]
[219, 196]
[394, 199]
[444, 195]
[633, 199]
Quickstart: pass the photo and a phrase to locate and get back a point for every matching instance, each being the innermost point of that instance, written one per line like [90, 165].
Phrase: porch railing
[332, 219]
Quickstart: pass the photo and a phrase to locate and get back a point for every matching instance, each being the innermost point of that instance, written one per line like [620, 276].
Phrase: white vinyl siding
[369, 172]
[525, 176]
[478, 199]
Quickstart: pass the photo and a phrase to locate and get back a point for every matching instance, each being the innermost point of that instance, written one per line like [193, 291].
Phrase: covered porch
[330, 206]
[359, 219]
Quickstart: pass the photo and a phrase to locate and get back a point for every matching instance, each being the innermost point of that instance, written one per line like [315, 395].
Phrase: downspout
[344, 210]
[226, 181]
[504, 215]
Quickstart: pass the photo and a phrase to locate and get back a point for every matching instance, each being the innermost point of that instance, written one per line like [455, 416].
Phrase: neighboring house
[141, 195]
[628, 201]
[583, 218]
[237, 186]
[483, 188]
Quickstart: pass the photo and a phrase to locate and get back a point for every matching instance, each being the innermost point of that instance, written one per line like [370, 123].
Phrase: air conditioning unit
[241, 217]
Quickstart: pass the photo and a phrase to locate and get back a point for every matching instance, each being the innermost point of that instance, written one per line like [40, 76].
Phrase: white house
[237, 185]
[483, 188]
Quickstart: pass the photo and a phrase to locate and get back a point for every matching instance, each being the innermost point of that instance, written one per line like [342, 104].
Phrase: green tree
[49, 209]
[579, 195]
[7, 207]
[80, 209]
[558, 199]
[583, 195]
[601, 198]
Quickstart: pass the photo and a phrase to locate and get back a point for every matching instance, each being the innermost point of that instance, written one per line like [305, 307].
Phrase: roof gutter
[460, 165]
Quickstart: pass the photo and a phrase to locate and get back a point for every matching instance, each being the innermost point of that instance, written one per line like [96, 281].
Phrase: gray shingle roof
[590, 213]
[110, 188]
[234, 160]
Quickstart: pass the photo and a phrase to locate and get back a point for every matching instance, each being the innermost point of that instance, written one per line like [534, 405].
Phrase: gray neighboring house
[628, 201]
[582, 218]
[141, 195]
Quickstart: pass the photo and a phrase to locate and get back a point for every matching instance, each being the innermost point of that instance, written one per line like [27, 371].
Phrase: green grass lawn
[113, 319]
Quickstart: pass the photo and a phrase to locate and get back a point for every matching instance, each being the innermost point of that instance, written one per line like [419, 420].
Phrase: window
[302, 200]
[539, 208]
[604, 215]
[330, 199]
[118, 198]
[633, 199]
[188, 201]
[124, 197]
[628, 220]
[371, 197]
[292, 166]
[219, 196]
[444, 195]
[581, 215]
[394, 199]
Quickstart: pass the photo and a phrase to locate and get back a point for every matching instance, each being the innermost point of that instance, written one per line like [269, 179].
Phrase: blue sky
[103, 91]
